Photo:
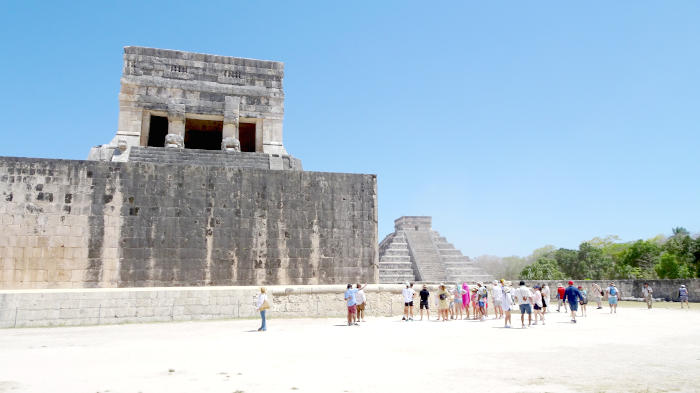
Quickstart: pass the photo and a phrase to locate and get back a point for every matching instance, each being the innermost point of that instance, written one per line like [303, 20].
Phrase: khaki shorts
[361, 307]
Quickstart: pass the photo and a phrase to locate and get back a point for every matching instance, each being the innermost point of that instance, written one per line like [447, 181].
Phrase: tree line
[675, 256]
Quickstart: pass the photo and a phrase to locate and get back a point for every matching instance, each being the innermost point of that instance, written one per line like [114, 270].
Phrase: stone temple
[196, 188]
[415, 252]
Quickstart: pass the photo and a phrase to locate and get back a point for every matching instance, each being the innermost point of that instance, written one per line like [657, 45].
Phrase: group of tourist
[454, 303]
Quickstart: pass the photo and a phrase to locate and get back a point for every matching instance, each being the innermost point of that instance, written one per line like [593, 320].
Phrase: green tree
[670, 266]
[593, 263]
[567, 261]
[544, 268]
[643, 255]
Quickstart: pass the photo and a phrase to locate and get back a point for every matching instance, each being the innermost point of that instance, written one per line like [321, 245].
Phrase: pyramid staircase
[395, 264]
[415, 252]
[459, 268]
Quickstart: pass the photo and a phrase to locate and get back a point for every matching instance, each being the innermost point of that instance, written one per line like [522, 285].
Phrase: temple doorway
[203, 134]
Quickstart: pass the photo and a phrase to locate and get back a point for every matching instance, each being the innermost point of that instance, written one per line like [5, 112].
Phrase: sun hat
[682, 285]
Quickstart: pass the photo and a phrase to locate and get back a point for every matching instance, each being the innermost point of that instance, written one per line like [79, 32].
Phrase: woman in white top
[262, 305]
[537, 300]
[506, 302]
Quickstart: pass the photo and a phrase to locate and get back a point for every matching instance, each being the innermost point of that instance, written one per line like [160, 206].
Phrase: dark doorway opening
[157, 130]
[203, 134]
[246, 134]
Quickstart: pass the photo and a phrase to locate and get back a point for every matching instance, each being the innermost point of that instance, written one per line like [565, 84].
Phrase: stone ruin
[195, 189]
[415, 252]
[183, 100]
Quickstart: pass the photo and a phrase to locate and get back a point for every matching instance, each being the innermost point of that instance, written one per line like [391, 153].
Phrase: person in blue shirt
[352, 305]
[572, 295]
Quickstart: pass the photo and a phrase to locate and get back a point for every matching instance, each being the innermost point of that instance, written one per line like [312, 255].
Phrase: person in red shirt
[560, 297]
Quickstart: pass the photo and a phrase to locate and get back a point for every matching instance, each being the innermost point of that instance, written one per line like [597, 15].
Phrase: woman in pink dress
[466, 297]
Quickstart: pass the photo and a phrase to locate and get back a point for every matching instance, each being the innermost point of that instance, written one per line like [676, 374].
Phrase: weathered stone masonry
[71, 224]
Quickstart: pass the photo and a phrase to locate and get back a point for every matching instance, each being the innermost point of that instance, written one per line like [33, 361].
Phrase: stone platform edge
[98, 306]
[105, 306]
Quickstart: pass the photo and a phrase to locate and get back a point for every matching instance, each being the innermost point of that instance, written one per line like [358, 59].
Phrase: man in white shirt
[524, 297]
[408, 294]
[497, 299]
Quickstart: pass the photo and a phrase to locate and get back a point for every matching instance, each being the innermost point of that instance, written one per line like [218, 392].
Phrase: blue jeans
[262, 316]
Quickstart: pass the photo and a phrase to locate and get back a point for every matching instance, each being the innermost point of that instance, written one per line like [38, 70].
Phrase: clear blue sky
[513, 124]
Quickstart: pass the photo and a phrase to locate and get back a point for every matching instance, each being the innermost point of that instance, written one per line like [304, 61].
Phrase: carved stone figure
[230, 144]
[174, 140]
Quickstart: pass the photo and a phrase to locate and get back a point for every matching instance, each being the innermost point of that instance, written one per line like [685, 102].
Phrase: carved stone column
[176, 125]
[231, 115]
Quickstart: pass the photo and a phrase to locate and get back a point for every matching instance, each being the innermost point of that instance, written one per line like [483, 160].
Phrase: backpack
[613, 291]
[584, 298]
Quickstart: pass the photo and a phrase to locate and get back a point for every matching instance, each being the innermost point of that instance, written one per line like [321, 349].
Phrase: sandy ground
[633, 351]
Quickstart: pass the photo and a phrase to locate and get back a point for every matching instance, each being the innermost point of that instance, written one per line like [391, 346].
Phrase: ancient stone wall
[69, 224]
[76, 307]
[630, 289]
[73, 307]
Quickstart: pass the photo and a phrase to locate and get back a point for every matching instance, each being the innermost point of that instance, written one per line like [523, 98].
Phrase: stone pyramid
[415, 252]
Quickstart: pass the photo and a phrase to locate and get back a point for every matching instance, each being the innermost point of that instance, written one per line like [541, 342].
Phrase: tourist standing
[408, 294]
[497, 299]
[506, 303]
[483, 294]
[613, 295]
[648, 295]
[584, 300]
[683, 296]
[572, 296]
[451, 307]
[361, 300]
[545, 297]
[560, 297]
[524, 297]
[598, 295]
[537, 301]
[466, 298]
[350, 294]
[458, 301]
[424, 295]
[475, 303]
[443, 297]
[262, 306]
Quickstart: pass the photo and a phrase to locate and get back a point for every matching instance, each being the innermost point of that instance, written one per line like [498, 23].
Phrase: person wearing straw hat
[506, 302]
[262, 306]
[613, 295]
[597, 295]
